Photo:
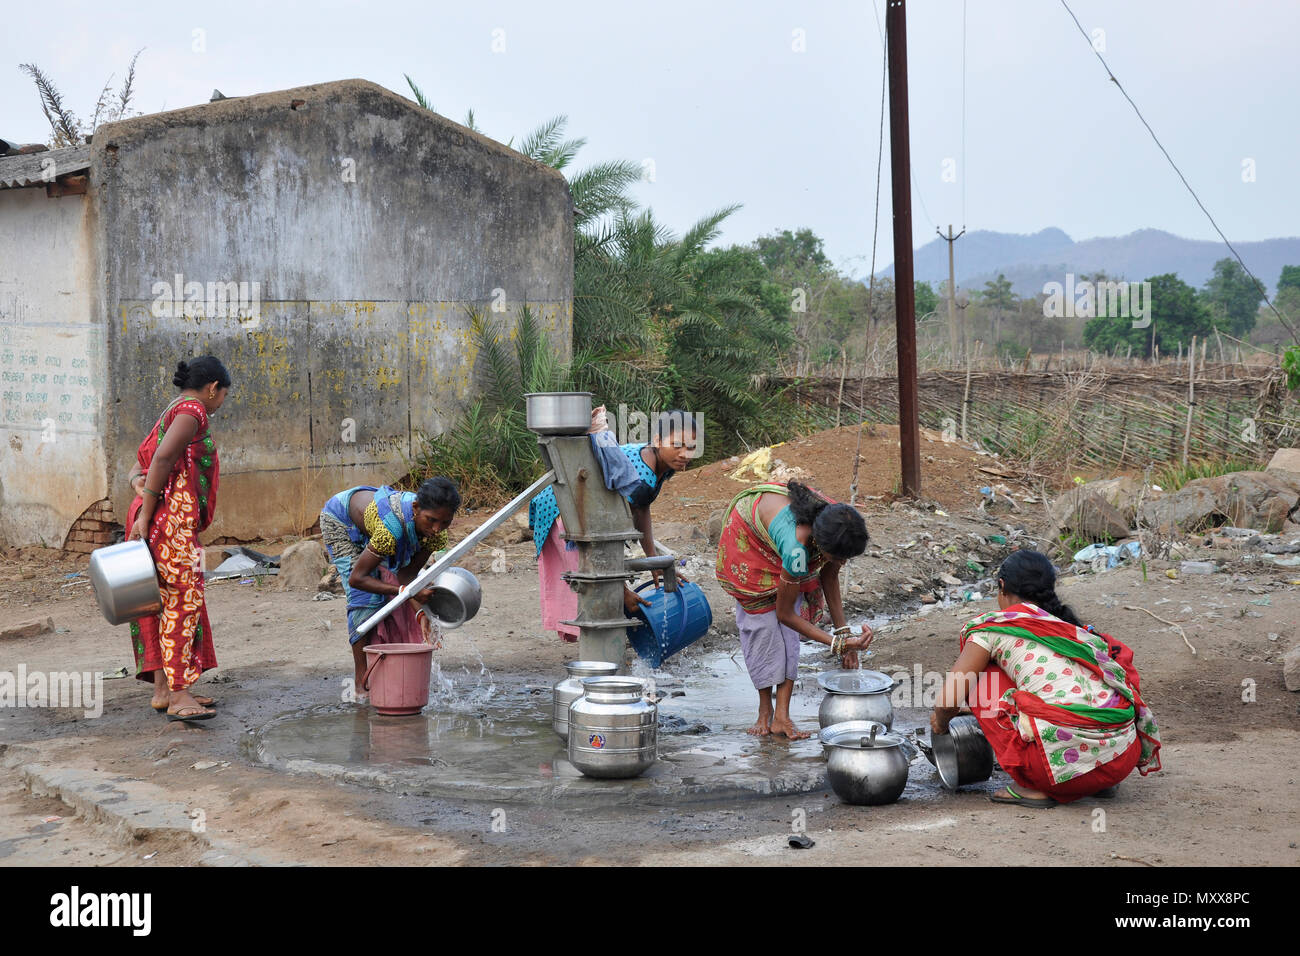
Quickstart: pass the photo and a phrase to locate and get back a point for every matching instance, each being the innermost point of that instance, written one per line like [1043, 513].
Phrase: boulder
[1291, 668]
[301, 566]
[1261, 500]
[1089, 515]
[1285, 459]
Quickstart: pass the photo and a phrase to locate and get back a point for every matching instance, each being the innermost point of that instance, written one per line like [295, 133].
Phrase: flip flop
[1040, 803]
[201, 715]
[202, 702]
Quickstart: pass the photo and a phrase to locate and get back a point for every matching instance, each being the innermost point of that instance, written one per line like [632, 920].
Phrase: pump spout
[665, 563]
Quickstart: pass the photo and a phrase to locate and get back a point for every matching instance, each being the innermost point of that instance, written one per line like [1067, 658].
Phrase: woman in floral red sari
[1058, 701]
[176, 478]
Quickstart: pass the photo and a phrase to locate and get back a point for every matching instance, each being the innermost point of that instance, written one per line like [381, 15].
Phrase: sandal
[201, 701]
[1041, 803]
[199, 713]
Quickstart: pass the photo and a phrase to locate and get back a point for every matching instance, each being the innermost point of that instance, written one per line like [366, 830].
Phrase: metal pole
[900, 173]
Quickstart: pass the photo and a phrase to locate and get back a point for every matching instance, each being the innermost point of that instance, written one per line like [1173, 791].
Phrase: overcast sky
[773, 105]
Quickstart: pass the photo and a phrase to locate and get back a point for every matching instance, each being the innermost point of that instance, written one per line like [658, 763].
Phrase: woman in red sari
[1060, 702]
[176, 477]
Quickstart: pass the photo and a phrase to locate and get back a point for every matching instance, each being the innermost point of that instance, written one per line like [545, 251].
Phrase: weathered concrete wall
[367, 228]
[52, 367]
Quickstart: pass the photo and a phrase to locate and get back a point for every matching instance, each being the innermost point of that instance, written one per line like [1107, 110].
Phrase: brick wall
[95, 528]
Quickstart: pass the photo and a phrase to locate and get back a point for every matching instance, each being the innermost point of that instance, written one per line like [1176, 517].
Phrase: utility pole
[952, 289]
[900, 174]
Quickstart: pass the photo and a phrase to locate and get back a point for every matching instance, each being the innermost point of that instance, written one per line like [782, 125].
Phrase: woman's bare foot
[763, 726]
[784, 727]
[161, 693]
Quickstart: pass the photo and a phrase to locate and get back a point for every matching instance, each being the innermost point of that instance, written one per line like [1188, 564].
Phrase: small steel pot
[456, 598]
[962, 755]
[558, 413]
[856, 695]
[865, 765]
[125, 581]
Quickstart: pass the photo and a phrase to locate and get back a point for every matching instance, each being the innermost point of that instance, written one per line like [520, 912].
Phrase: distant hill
[1045, 256]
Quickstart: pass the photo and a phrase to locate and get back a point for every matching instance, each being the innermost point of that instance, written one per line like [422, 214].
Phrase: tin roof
[34, 169]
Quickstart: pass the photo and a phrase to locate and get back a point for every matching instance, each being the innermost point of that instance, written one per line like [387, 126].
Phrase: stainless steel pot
[456, 598]
[963, 755]
[570, 689]
[125, 581]
[613, 729]
[856, 695]
[558, 413]
[864, 764]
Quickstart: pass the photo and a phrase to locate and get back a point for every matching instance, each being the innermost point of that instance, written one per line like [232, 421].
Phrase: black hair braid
[1031, 576]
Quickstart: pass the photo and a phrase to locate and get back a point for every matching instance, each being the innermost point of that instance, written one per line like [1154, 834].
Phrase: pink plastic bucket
[398, 677]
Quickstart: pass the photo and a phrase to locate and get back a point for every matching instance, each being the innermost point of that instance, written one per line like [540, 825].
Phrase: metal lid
[591, 668]
[612, 685]
[859, 735]
[855, 682]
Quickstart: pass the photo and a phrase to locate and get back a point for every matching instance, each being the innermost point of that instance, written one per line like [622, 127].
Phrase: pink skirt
[559, 601]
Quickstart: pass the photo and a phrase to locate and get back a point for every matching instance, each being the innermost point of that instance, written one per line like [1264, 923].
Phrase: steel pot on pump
[613, 729]
[568, 690]
[864, 764]
[856, 695]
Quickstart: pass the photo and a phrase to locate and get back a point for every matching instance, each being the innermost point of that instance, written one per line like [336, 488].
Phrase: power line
[875, 235]
[1156, 139]
[963, 116]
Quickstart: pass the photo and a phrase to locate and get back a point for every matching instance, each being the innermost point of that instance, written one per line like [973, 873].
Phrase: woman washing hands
[779, 556]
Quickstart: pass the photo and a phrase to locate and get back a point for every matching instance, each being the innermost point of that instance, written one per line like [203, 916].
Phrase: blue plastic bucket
[671, 622]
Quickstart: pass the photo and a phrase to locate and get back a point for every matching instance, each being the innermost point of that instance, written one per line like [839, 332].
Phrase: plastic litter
[1103, 557]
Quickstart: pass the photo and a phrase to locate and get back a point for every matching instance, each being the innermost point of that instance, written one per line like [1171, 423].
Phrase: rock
[28, 629]
[1259, 500]
[331, 581]
[301, 566]
[1089, 515]
[928, 598]
[1291, 668]
[715, 525]
[1285, 459]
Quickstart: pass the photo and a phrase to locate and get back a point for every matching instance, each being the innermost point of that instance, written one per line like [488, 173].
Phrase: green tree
[1233, 297]
[927, 299]
[998, 298]
[1176, 314]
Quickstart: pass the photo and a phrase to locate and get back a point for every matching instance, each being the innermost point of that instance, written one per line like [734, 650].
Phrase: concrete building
[326, 242]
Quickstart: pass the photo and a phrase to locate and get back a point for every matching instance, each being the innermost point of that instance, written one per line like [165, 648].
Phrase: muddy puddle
[488, 736]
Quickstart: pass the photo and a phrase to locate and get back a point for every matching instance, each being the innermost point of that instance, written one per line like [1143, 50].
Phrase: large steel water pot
[570, 689]
[558, 413]
[856, 695]
[963, 755]
[613, 729]
[125, 581]
[865, 764]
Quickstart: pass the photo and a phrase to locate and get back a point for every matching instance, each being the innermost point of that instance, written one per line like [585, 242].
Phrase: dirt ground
[1227, 794]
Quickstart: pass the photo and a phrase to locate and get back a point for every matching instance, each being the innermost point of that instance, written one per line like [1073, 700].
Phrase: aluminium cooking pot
[558, 413]
[865, 764]
[125, 581]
